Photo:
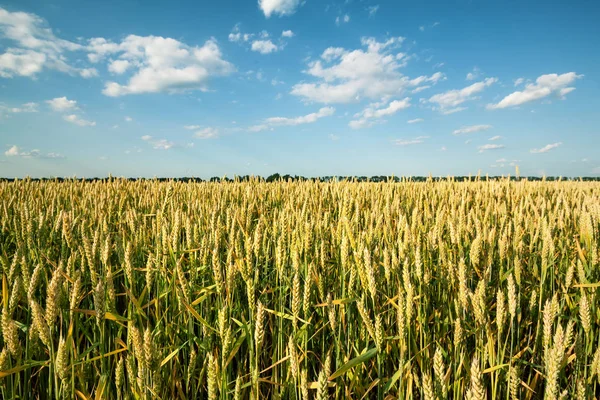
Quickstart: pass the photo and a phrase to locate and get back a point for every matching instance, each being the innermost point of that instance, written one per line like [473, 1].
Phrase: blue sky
[373, 87]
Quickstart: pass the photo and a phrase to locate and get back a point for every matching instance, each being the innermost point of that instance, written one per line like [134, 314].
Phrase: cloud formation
[487, 147]
[409, 142]
[35, 48]
[345, 76]
[15, 151]
[544, 86]
[285, 121]
[546, 148]
[376, 111]
[160, 64]
[449, 102]
[471, 129]
[60, 104]
[74, 119]
[278, 7]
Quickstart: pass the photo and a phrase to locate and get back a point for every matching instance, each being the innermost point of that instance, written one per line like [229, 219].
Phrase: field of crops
[300, 290]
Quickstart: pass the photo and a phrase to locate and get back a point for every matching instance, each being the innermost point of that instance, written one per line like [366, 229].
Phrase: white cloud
[493, 138]
[74, 119]
[346, 76]
[278, 7]
[161, 64]
[36, 47]
[345, 19]
[237, 36]
[422, 28]
[487, 147]
[333, 137]
[14, 151]
[284, 121]
[453, 110]
[158, 144]
[207, 133]
[119, 67]
[409, 142]
[128, 119]
[544, 86]
[471, 129]
[374, 112]
[519, 81]
[471, 76]
[546, 148]
[451, 99]
[30, 107]
[88, 72]
[61, 104]
[287, 34]
[373, 10]
[414, 121]
[420, 89]
[192, 127]
[264, 46]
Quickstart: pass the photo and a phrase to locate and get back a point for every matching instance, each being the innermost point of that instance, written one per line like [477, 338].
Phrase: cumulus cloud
[285, 121]
[74, 119]
[15, 151]
[278, 7]
[35, 47]
[409, 142]
[414, 121]
[60, 104]
[474, 74]
[471, 129]
[260, 42]
[264, 46]
[119, 67]
[493, 138]
[160, 64]
[449, 101]
[375, 111]
[544, 86]
[237, 36]
[192, 127]
[546, 148]
[345, 76]
[207, 133]
[487, 147]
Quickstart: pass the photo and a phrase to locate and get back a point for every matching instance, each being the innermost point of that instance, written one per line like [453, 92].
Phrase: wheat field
[298, 290]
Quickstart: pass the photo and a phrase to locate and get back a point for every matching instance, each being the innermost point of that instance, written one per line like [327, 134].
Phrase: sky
[300, 87]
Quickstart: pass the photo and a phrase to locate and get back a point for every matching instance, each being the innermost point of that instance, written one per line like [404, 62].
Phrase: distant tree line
[293, 178]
